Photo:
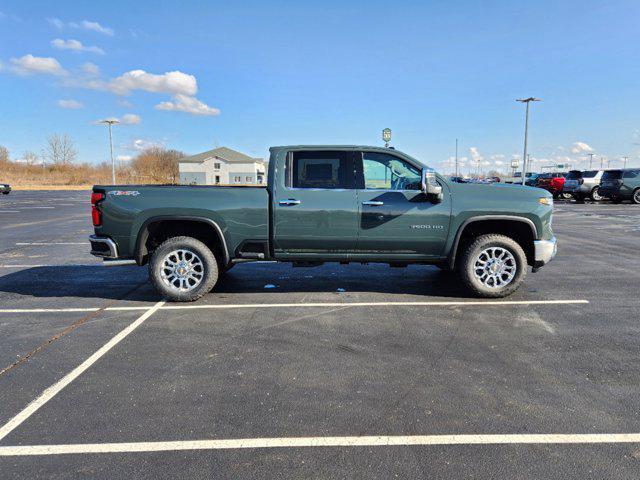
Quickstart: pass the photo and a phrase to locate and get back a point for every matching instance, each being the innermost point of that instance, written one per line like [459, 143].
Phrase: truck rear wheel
[493, 266]
[183, 269]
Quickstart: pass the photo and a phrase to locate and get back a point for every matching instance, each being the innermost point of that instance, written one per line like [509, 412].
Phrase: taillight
[96, 215]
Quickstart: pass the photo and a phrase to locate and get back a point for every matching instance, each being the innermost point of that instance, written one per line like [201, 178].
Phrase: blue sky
[255, 74]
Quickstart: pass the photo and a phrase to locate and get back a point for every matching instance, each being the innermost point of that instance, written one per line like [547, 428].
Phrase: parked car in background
[531, 179]
[517, 178]
[619, 185]
[493, 179]
[554, 183]
[5, 188]
[583, 184]
[459, 179]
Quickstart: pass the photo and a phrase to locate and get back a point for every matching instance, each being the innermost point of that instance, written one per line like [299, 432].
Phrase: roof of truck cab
[333, 147]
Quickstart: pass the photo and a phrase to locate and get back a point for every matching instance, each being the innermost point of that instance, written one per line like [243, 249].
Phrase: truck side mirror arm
[430, 186]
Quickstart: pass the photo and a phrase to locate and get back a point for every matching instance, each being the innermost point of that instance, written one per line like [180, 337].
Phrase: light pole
[526, 134]
[111, 122]
[625, 158]
[590, 160]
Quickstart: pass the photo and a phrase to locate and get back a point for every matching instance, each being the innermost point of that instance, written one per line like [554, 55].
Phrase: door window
[325, 170]
[388, 172]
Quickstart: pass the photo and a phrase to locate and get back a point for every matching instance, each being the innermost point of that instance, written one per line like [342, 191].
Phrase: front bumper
[545, 250]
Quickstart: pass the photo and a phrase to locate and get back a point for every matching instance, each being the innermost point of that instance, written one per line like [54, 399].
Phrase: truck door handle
[290, 201]
[373, 203]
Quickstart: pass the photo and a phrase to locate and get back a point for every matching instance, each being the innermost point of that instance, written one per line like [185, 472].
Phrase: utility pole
[601, 162]
[111, 122]
[526, 134]
[590, 160]
[456, 157]
[625, 158]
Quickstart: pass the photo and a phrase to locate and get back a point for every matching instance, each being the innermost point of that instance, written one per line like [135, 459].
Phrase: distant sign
[386, 135]
[515, 163]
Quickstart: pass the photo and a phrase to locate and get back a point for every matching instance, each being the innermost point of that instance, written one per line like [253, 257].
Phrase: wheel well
[519, 231]
[156, 232]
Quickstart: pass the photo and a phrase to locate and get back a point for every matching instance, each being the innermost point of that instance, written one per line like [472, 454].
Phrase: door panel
[399, 220]
[316, 212]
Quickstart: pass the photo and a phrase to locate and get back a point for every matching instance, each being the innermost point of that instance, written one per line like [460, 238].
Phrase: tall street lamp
[526, 134]
[111, 122]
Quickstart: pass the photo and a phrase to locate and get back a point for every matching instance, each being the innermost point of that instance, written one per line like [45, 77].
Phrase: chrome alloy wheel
[636, 196]
[495, 267]
[595, 195]
[182, 270]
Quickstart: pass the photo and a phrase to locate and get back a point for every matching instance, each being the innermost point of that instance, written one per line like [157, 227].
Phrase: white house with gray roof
[222, 166]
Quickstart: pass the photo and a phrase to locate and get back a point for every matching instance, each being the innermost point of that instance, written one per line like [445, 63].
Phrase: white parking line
[54, 389]
[304, 442]
[52, 243]
[473, 303]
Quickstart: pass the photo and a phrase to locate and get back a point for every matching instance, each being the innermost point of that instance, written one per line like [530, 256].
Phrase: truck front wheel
[183, 269]
[493, 266]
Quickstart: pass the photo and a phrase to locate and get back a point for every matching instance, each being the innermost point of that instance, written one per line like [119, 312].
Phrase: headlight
[546, 201]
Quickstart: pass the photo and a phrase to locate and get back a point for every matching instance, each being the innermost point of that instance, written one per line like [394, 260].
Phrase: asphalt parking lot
[328, 372]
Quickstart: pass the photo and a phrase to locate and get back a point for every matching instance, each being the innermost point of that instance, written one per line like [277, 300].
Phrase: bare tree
[30, 157]
[158, 163]
[60, 150]
[4, 154]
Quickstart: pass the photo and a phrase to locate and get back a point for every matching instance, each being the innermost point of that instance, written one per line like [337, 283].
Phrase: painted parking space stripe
[51, 243]
[480, 303]
[306, 442]
[54, 389]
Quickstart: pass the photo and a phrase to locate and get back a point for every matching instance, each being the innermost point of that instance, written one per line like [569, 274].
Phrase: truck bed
[240, 212]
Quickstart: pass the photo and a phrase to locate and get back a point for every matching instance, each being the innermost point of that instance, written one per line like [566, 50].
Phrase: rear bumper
[545, 250]
[103, 247]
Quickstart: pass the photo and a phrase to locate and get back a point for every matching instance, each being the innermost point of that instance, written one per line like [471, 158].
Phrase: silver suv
[583, 184]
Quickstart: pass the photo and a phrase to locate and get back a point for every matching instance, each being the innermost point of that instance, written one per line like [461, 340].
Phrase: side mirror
[430, 186]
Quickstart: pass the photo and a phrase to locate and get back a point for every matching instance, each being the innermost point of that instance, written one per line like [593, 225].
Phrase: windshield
[574, 175]
[590, 173]
[612, 175]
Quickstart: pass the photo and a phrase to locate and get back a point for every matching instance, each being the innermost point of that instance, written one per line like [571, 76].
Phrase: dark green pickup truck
[327, 204]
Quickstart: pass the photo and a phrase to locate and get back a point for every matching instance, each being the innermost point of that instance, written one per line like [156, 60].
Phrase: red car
[552, 182]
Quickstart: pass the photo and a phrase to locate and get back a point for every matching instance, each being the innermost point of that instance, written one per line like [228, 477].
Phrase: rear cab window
[590, 174]
[574, 175]
[319, 170]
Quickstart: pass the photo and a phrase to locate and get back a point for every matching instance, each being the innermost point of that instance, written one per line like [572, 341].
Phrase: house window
[217, 178]
[238, 179]
[216, 166]
[249, 179]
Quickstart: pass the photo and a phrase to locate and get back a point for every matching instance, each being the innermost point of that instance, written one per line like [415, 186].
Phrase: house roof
[224, 153]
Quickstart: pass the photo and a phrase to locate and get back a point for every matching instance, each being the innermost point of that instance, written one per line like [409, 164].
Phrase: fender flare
[468, 221]
[143, 234]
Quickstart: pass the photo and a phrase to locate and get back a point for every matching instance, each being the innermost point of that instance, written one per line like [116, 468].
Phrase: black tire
[5, 193]
[578, 198]
[595, 194]
[635, 198]
[472, 252]
[208, 269]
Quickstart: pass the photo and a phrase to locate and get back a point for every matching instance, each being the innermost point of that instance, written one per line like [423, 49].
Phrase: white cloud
[124, 158]
[173, 83]
[185, 103]
[475, 155]
[84, 25]
[56, 22]
[139, 144]
[90, 68]
[124, 103]
[74, 45]
[70, 104]
[580, 147]
[28, 65]
[131, 119]
[95, 26]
